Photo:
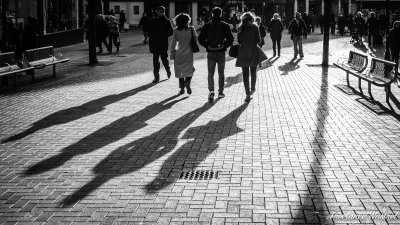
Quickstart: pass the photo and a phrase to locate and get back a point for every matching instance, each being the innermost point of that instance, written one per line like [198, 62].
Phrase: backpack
[215, 36]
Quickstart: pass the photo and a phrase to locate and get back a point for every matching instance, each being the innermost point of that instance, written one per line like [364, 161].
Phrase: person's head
[258, 20]
[396, 24]
[160, 10]
[358, 14]
[298, 15]
[216, 12]
[372, 14]
[276, 16]
[144, 14]
[247, 18]
[182, 21]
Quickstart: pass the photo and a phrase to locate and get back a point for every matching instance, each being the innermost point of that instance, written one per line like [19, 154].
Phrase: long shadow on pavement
[312, 206]
[75, 113]
[290, 66]
[104, 136]
[137, 154]
[191, 154]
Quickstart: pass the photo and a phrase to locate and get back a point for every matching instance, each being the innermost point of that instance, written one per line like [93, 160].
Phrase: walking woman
[250, 54]
[113, 34]
[181, 51]
[275, 28]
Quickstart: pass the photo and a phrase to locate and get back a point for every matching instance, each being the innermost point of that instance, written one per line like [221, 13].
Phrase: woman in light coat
[250, 54]
[181, 51]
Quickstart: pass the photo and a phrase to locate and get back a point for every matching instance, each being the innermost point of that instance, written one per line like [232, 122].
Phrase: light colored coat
[250, 54]
[181, 52]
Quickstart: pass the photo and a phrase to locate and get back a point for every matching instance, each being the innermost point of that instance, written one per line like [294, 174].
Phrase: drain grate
[199, 175]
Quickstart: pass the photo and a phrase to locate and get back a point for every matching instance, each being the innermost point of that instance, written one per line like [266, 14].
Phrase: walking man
[216, 37]
[298, 29]
[159, 30]
[144, 24]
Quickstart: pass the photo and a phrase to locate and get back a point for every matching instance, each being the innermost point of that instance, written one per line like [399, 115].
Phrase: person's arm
[258, 36]
[173, 45]
[281, 26]
[269, 27]
[170, 30]
[203, 36]
[228, 36]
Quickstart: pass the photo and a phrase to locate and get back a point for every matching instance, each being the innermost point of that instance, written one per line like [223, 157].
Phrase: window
[136, 10]
[117, 8]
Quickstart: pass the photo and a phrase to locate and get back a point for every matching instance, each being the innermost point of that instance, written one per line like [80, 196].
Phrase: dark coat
[373, 25]
[298, 29]
[122, 18]
[227, 35]
[30, 36]
[359, 24]
[250, 54]
[394, 38]
[159, 30]
[275, 28]
[101, 29]
[144, 23]
[263, 33]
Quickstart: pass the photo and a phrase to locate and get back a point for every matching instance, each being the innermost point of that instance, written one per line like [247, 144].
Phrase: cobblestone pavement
[102, 145]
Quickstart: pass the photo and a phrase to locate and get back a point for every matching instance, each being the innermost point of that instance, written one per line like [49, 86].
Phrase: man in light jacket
[216, 36]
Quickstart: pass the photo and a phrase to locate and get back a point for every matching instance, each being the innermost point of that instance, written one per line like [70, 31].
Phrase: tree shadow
[191, 154]
[104, 136]
[290, 66]
[77, 112]
[313, 208]
[137, 154]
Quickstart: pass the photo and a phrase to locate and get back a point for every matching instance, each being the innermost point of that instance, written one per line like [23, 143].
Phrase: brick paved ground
[101, 145]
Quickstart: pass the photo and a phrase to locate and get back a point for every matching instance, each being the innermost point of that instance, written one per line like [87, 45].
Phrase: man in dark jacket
[159, 30]
[144, 24]
[101, 33]
[216, 37]
[298, 29]
[373, 29]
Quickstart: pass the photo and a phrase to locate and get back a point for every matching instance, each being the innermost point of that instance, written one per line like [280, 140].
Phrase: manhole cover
[199, 175]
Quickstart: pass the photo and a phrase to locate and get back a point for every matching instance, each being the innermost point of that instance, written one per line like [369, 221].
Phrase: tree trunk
[325, 51]
[92, 32]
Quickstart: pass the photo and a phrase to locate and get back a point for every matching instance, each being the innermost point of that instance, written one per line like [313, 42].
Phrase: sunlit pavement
[103, 145]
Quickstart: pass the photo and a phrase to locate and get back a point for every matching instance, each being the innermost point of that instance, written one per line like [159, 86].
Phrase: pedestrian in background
[113, 34]
[101, 33]
[122, 20]
[394, 45]
[321, 20]
[263, 32]
[181, 51]
[332, 24]
[275, 28]
[297, 29]
[250, 54]
[31, 34]
[373, 29]
[341, 24]
[216, 36]
[144, 23]
[159, 30]
[359, 25]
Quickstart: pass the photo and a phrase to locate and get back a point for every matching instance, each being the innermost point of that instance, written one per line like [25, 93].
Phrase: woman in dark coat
[275, 29]
[250, 54]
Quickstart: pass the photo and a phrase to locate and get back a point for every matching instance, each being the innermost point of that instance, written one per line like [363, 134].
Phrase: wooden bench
[381, 73]
[42, 57]
[10, 66]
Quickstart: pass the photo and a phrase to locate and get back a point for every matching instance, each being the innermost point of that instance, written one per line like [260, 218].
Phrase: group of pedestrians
[107, 27]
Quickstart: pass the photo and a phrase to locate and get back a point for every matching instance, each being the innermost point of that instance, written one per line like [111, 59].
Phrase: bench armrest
[340, 61]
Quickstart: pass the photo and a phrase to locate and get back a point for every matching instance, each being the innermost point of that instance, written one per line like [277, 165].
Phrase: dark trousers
[156, 63]
[276, 41]
[102, 41]
[394, 53]
[113, 38]
[183, 81]
[253, 73]
[371, 38]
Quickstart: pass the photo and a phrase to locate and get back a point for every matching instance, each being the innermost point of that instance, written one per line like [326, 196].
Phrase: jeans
[184, 80]
[253, 73]
[112, 38]
[298, 40]
[276, 41]
[156, 63]
[212, 59]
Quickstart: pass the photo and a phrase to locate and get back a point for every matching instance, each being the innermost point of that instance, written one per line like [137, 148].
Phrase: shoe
[274, 55]
[211, 96]
[117, 49]
[188, 89]
[302, 56]
[168, 74]
[252, 91]
[295, 57]
[155, 81]
[247, 98]
[100, 52]
[181, 92]
[221, 95]
[260, 65]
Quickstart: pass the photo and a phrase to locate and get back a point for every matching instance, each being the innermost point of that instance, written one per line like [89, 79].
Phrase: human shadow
[137, 154]
[75, 113]
[230, 81]
[290, 66]
[104, 136]
[269, 62]
[191, 154]
[312, 206]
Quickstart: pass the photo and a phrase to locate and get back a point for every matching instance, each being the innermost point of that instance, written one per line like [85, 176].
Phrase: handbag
[234, 50]
[193, 42]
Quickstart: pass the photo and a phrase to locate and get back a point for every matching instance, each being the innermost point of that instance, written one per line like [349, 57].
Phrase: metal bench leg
[359, 85]
[54, 70]
[347, 79]
[369, 92]
[388, 93]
